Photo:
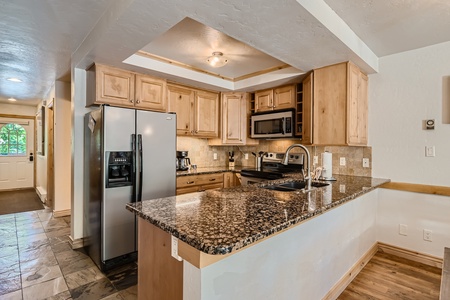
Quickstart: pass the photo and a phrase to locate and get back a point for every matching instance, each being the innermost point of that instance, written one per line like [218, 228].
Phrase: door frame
[10, 116]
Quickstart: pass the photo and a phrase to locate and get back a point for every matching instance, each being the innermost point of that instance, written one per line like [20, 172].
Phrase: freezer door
[158, 135]
[119, 124]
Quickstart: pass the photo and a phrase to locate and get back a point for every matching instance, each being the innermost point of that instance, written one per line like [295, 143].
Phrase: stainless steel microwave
[274, 124]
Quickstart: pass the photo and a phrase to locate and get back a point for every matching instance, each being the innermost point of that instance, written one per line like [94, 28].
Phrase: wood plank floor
[391, 277]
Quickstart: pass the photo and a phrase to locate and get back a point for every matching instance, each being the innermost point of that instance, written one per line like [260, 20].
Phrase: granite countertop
[209, 170]
[225, 220]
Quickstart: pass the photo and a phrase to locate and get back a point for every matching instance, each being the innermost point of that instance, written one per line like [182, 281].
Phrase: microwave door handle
[283, 126]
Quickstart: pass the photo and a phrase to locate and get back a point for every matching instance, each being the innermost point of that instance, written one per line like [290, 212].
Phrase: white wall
[406, 91]
[62, 146]
[418, 212]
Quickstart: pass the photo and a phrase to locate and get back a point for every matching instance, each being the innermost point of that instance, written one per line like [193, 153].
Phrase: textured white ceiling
[38, 38]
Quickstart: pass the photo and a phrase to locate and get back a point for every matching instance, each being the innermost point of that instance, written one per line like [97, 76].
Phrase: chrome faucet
[307, 178]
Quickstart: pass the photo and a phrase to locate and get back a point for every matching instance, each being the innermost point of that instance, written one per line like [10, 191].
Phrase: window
[13, 140]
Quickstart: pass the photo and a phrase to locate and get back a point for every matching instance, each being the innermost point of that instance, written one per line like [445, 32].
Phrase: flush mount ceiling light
[217, 60]
[13, 79]
[11, 99]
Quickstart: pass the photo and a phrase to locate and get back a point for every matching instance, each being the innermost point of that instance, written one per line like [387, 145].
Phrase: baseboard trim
[76, 243]
[348, 277]
[411, 255]
[61, 213]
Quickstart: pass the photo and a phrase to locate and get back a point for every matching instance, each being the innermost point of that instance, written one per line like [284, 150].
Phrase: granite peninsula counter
[239, 230]
[225, 220]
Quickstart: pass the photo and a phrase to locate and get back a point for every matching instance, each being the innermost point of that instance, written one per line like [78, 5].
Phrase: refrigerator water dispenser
[120, 168]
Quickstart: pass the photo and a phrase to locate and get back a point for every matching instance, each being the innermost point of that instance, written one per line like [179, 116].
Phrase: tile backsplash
[202, 154]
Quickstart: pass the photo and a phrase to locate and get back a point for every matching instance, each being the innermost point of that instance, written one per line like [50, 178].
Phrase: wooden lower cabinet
[199, 183]
[160, 276]
[231, 179]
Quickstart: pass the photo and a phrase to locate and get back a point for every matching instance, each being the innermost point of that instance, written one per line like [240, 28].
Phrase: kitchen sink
[293, 186]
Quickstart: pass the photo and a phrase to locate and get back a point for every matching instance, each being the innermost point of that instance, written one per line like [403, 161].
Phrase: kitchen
[396, 110]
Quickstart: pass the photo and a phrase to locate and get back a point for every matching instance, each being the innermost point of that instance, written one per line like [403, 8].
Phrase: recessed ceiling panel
[191, 43]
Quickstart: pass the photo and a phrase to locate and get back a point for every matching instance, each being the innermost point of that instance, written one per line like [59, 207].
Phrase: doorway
[16, 153]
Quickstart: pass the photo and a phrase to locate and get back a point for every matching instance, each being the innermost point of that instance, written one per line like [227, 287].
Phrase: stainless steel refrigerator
[130, 155]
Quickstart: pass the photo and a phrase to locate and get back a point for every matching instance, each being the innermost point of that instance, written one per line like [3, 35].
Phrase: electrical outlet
[315, 160]
[402, 229]
[366, 163]
[215, 155]
[342, 161]
[430, 151]
[427, 235]
[245, 155]
[342, 188]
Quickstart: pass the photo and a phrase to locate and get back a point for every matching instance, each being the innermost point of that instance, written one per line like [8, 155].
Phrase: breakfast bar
[255, 242]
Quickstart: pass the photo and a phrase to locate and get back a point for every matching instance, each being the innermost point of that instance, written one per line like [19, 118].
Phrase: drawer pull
[212, 179]
[190, 182]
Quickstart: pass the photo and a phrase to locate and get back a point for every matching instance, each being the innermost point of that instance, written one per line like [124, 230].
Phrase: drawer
[212, 186]
[187, 181]
[187, 190]
[209, 178]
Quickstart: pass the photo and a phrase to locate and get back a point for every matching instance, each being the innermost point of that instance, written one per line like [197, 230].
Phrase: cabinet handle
[138, 101]
[196, 131]
[131, 100]
[179, 97]
[190, 182]
[212, 179]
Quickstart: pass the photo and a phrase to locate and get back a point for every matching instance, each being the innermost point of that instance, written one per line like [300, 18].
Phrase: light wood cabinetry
[230, 179]
[274, 99]
[235, 111]
[335, 112]
[199, 183]
[108, 85]
[197, 111]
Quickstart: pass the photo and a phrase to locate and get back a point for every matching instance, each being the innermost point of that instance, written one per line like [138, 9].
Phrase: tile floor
[37, 262]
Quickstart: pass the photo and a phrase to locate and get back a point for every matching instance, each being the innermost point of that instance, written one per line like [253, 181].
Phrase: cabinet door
[114, 86]
[228, 179]
[284, 97]
[307, 112]
[234, 118]
[357, 107]
[330, 105]
[206, 114]
[263, 100]
[150, 93]
[181, 102]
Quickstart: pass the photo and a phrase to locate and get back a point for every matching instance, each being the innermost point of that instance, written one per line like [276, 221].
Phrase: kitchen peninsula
[243, 242]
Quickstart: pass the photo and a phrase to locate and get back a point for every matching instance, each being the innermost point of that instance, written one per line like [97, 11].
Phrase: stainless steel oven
[272, 168]
[274, 124]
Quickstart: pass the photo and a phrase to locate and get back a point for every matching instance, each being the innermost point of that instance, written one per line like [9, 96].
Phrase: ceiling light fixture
[11, 99]
[217, 60]
[13, 79]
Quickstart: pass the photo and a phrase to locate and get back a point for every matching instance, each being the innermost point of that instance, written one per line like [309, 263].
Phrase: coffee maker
[183, 162]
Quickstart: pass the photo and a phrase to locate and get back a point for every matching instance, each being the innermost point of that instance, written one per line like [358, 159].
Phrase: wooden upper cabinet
[108, 85]
[235, 112]
[338, 105]
[197, 111]
[206, 113]
[274, 99]
[263, 100]
[357, 107]
[181, 102]
[284, 97]
[150, 93]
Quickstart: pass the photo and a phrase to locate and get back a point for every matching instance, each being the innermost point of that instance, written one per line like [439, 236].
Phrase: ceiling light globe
[217, 60]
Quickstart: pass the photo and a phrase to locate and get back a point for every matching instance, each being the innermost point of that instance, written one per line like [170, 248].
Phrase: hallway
[37, 262]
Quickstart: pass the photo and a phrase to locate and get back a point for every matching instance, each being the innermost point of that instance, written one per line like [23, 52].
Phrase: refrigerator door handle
[133, 148]
[141, 163]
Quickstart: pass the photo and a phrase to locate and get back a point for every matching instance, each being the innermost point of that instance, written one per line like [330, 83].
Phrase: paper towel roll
[327, 164]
